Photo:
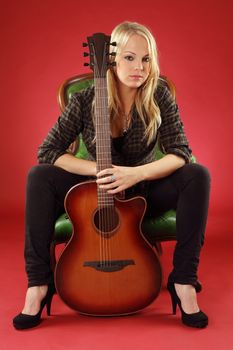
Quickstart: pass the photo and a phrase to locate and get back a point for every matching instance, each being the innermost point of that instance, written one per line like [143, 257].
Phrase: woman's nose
[138, 65]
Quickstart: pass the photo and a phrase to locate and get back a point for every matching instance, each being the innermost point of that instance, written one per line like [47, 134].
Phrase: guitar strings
[99, 192]
[105, 201]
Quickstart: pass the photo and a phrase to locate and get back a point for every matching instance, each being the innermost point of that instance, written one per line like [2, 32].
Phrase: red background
[41, 45]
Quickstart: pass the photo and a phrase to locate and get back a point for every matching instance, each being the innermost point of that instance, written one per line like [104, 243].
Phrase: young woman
[141, 109]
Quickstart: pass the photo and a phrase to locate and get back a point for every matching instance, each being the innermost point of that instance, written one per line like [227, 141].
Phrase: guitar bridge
[109, 265]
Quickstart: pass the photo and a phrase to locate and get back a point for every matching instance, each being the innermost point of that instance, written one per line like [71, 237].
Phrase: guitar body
[107, 267]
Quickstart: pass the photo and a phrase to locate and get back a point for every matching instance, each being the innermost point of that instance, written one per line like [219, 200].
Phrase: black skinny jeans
[186, 190]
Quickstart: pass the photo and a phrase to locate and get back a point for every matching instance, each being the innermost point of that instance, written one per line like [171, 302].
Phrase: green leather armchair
[161, 227]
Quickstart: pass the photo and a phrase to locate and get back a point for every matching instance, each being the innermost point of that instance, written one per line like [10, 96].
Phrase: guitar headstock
[99, 54]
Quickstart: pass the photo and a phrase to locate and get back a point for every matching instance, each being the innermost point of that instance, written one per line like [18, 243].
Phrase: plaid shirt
[77, 119]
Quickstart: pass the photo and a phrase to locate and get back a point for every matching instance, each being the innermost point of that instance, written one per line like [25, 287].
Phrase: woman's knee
[199, 172]
[195, 175]
[40, 173]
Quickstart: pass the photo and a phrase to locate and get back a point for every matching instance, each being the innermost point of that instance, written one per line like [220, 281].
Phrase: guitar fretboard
[103, 141]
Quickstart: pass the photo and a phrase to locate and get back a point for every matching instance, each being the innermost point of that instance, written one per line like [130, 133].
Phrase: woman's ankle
[33, 298]
[188, 297]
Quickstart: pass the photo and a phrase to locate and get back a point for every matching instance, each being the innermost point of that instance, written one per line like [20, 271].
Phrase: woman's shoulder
[163, 93]
[162, 87]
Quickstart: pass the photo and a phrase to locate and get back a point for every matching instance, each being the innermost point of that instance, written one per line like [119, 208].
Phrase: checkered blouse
[77, 119]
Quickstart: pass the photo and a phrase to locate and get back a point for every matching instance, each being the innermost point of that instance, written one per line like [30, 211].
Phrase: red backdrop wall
[41, 46]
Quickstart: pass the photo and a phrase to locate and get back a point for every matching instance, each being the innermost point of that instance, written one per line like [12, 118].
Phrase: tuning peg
[86, 64]
[85, 54]
[112, 54]
[113, 43]
[113, 64]
[85, 44]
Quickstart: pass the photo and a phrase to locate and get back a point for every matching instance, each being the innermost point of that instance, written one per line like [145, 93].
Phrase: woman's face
[133, 63]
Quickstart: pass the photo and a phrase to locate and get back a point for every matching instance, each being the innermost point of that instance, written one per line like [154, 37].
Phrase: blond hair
[145, 103]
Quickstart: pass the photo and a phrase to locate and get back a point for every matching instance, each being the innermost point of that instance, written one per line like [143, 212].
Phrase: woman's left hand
[118, 178]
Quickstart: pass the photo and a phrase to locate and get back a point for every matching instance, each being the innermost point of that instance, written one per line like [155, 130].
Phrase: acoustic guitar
[107, 268]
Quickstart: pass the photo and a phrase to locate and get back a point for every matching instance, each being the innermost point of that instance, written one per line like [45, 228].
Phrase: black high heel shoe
[197, 319]
[23, 321]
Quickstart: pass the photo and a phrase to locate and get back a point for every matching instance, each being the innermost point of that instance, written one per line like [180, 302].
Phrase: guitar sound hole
[106, 220]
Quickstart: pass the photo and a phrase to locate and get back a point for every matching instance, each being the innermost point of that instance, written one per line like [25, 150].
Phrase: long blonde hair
[145, 103]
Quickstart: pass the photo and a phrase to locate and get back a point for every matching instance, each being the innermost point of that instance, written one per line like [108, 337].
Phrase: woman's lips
[136, 76]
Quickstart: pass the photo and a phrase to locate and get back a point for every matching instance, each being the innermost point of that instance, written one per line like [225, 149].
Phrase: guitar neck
[102, 124]
[103, 141]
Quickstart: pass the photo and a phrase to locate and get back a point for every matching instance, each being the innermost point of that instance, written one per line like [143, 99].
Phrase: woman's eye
[129, 58]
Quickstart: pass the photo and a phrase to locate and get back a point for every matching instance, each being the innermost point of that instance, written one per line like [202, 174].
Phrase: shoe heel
[170, 288]
[49, 300]
[174, 305]
[48, 305]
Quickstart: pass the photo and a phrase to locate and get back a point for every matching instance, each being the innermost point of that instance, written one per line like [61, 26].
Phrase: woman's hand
[118, 178]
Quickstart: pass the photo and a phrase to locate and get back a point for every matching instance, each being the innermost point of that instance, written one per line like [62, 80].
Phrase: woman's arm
[172, 136]
[160, 168]
[65, 131]
[119, 178]
[75, 165]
